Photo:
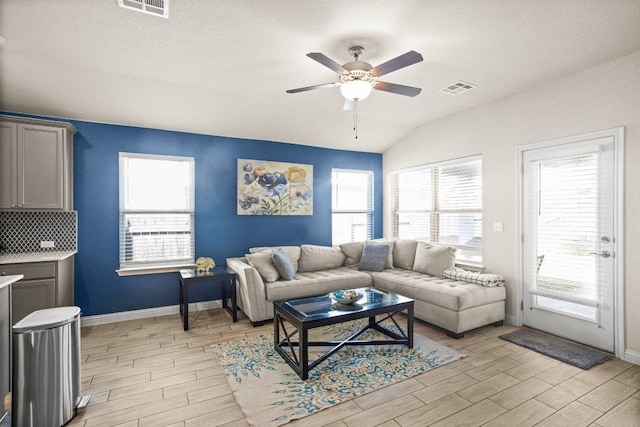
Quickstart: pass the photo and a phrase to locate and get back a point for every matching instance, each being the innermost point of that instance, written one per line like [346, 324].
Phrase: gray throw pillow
[262, 262]
[433, 259]
[374, 257]
[353, 251]
[283, 265]
[391, 244]
[292, 251]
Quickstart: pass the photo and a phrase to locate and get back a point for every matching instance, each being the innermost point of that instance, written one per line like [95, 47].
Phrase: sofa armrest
[252, 297]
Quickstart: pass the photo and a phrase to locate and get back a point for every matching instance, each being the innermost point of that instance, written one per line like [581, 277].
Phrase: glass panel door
[568, 241]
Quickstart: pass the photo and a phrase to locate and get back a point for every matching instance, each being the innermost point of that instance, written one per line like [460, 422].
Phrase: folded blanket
[484, 279]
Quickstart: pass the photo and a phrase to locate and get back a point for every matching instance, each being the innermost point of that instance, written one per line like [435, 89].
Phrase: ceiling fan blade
[327, 62]
[304, 89]
[394, 64]
[348, 105]
[396, 88]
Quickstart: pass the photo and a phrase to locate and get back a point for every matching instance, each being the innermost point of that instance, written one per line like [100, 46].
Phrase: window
[441, 203]
[156, 211]
[352, 206]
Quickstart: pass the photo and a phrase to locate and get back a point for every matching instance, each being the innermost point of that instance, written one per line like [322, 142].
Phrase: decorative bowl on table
[346, 296]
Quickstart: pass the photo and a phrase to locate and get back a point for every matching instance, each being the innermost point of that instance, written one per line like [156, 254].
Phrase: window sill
[153, 269]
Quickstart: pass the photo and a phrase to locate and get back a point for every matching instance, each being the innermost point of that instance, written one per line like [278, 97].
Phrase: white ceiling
[222, 67]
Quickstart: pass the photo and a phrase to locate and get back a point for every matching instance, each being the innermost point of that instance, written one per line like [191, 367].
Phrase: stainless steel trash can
[46, 367]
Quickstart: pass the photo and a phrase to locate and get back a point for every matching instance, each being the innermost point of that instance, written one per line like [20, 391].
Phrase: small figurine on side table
[204, 265]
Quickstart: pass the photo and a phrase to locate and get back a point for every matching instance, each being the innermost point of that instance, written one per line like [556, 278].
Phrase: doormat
[271, 394]
[569, 352]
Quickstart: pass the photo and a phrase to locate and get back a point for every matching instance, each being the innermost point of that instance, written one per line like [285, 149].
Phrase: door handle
[603, 254]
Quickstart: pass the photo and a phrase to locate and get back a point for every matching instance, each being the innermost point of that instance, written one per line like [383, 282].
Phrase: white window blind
[156, 210]
[352, 205]
[441, 203]
[566, 229]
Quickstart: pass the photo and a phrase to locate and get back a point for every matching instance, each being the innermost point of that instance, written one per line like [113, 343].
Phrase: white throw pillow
[433, 259]
[353, 252]
[404, 253]
[316, 258]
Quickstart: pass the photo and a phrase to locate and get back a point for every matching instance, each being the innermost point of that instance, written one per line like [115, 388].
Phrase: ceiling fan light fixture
[356, 90]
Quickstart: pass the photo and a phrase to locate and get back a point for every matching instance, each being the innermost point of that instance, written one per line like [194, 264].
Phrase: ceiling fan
[357, 78]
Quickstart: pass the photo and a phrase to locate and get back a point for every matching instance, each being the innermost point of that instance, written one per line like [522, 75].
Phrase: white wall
[599, 98]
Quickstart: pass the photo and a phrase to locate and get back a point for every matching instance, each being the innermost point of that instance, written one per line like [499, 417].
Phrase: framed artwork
[274, 188]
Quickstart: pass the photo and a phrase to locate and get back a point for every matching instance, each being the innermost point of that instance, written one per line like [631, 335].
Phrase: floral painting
[274, 188]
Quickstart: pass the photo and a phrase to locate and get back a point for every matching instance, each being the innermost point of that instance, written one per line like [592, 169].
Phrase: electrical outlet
[47, 244]
[497, 226]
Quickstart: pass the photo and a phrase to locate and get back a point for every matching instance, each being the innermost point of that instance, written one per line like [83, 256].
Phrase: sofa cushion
[262, 262]
[283, 265]
[353, 252]
[391, 244]
[404, 253]
[374, 257]
[317, 283]
[292, 251]
[447, 293]
[433, 259]
[317, 258]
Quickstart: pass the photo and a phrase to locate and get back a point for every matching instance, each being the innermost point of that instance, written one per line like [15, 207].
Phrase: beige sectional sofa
[453, 305]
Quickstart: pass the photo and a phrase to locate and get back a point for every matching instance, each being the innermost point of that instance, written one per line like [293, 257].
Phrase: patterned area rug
[271, 394]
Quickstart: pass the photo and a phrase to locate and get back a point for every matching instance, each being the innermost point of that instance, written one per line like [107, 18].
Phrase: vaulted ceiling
[222, 67]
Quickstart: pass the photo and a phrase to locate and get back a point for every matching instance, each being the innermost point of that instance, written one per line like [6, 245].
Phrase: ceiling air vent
[152, 7]
[457, 87]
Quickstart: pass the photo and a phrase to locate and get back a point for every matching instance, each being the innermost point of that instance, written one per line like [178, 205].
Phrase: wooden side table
[219, 276]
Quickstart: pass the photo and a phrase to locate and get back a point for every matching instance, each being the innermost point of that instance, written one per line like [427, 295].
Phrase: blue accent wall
[220, 233]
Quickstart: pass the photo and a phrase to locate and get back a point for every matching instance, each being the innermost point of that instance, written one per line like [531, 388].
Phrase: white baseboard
[147, 312]
[632, 357]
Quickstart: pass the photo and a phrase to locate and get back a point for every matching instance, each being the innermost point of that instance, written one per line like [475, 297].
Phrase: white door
[568, 240]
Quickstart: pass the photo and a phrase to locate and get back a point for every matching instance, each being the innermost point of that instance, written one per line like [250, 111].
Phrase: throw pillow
[404, 253]
[283, 265]
[374, 257]
[484, 279]
[316, 258]
[433, 259]
[262, 262]
[353, 252]
[391, 244]
[292, 251]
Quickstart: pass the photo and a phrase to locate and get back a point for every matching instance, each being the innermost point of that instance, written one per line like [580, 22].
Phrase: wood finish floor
[150, 372]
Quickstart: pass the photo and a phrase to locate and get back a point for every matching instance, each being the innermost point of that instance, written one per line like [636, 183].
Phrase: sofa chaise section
[450, 304]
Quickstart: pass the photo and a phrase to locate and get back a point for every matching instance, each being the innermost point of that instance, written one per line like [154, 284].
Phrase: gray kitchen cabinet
[36, 164]
[5, 351]
[8, 164]
[45, 285]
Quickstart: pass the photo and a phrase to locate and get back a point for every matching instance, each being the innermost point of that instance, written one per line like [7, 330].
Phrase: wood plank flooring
[150, 372]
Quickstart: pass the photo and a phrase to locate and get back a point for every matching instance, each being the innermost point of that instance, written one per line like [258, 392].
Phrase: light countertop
[7, 280]
[35, 257]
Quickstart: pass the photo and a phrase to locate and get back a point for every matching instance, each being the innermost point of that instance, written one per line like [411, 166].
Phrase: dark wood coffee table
[308, 313]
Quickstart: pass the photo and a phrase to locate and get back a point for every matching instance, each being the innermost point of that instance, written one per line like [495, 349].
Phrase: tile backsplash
[22, 231]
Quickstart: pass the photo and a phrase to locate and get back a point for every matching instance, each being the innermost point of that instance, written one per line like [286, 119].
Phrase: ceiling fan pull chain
[355, 119]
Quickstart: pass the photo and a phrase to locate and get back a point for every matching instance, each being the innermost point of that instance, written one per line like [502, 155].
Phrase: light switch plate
[47, 244]
[497, 226]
